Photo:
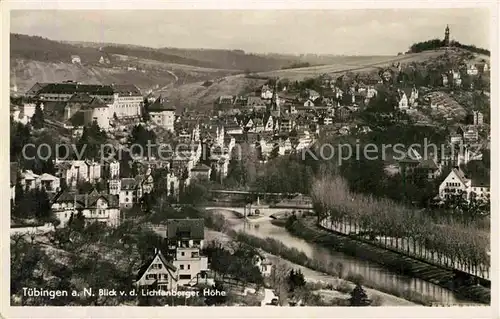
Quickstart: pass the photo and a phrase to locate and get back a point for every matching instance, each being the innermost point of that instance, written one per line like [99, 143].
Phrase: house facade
[403, 101]
[75, 171]
[127, 101]
[158, 271]
[457, 183]
[31, 181]
[95, 207]
[185, 239]
[478, 118]
[162, 114]
[97, 111]
[472, 69]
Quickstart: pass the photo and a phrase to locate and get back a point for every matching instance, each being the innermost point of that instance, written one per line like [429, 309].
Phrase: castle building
[127, 101]
[124, 101]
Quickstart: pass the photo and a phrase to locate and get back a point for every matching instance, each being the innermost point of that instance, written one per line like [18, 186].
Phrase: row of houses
[183, 165]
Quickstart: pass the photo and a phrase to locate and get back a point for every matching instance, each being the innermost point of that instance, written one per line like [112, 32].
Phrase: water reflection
[372, 272]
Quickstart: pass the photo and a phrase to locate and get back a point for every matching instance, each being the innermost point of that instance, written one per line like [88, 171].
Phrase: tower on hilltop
[447, 36]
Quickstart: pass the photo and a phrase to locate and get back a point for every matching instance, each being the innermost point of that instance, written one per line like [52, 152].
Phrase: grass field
[354, 64]
[195, 94]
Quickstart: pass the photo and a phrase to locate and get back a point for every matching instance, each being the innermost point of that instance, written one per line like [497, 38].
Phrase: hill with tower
[446, 42]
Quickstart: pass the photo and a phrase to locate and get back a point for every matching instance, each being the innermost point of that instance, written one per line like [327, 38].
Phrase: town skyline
[266, 31]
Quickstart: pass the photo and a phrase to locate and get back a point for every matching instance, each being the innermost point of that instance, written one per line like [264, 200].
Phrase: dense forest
[45, 50]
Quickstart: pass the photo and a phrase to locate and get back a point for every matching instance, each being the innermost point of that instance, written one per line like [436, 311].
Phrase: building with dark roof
[35, 89]
[62, 92]
[182, 231]
[185, 240]
[126, 99]
[98, 111]
[162, 113]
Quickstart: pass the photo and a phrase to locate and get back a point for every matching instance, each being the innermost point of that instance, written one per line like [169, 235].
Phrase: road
[170, 84]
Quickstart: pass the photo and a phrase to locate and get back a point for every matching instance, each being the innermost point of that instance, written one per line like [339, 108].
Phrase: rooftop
[185, 229]
[161, 104]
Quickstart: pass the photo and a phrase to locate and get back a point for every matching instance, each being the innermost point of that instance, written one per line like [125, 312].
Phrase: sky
[348, 32]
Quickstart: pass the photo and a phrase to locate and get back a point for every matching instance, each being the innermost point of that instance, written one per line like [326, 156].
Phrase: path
[170, 84]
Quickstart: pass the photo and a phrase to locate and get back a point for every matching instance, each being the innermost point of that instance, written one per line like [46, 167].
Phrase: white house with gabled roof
[454, 184]
[158, 271]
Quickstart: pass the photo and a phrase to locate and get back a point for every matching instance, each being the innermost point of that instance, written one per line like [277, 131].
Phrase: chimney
[156, 250]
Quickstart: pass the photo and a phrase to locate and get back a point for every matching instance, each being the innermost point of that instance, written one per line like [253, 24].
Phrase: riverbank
[314, 276]
[276, 247]
[219, 223]
[307, 229]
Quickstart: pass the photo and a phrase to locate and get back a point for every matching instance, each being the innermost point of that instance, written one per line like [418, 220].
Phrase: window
[181, 267]
[182, 254]
[184, 276]
[189, 267]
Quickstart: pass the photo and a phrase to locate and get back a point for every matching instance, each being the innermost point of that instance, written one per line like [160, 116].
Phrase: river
[372, 272]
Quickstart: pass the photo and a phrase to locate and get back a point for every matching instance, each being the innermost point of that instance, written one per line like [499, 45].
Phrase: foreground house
[185, 238]
[158, 272]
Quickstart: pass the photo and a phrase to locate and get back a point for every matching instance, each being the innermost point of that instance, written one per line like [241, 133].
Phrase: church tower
[275, 102]
[447, 36]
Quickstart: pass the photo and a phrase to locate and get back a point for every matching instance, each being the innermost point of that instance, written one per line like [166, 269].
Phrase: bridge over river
[264, 211]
